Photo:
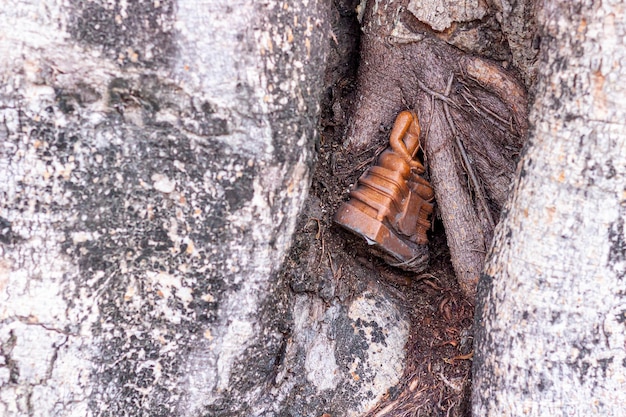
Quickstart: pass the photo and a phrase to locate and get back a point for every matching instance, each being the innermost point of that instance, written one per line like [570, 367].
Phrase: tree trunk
[551, 309]
[155, 156]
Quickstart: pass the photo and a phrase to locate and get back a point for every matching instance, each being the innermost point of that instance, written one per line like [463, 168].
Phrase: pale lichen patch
[162, 183]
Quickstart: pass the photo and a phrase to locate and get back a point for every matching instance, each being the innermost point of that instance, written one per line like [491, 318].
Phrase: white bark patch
[201, 70]
[163, 184]
[167, 288]
[321, 366]
[441, 14]
[311, 332]
[232, 344]
[386, 332]
[33, 351]
[82, 237]
[49, 357]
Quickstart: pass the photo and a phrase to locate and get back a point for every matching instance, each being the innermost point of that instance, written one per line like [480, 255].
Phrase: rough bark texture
[551, 308]
[518, 22]
[404, 63]
[154, 158]
[442, 14]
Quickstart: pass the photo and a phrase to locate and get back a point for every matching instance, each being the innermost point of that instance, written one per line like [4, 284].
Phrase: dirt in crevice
[336, 264]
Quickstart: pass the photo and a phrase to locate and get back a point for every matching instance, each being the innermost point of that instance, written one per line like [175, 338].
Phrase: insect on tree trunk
[551, 312]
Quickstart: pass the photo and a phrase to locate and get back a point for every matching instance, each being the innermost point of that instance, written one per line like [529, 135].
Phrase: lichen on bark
[156, 159]
[553, 289]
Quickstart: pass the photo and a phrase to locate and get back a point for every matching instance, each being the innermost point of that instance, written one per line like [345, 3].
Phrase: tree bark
[155, 157]
[408, 62]
[519, 24]
[551, 310]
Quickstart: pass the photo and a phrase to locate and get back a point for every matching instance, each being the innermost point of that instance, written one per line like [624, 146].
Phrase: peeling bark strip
[154, 157]
[551, 310]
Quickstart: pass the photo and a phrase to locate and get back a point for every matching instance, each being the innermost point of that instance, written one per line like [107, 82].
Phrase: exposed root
[475, 118]
[467, 165]
[476, 125]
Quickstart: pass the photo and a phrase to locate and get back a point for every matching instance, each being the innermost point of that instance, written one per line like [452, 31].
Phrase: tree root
[476, 117]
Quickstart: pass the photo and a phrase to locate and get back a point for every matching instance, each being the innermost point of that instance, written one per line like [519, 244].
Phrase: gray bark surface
[519, 24]
[551, 310]
[154, 158]
[146, 163]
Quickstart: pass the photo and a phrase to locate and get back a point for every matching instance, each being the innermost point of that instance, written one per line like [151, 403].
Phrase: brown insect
[392, 203]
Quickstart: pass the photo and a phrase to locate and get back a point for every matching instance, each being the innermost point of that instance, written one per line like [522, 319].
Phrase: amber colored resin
[391, 204]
